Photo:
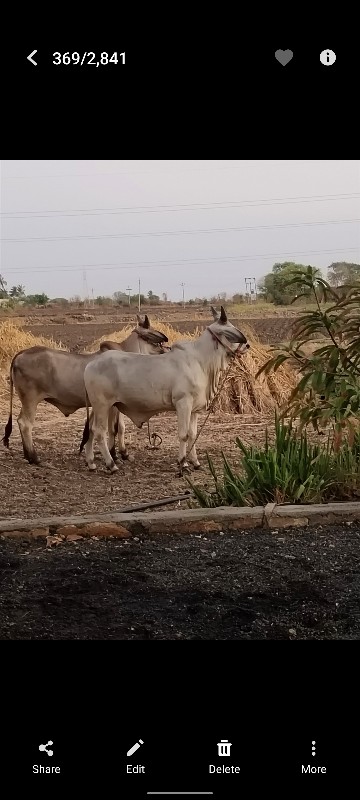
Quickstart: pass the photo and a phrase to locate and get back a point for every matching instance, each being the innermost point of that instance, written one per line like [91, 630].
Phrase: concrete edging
[202, 520]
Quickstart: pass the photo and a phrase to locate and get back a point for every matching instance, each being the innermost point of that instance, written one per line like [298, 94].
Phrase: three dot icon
[313, 748]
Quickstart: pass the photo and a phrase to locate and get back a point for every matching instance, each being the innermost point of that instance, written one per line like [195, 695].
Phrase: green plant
[291, 470]
[329, 388]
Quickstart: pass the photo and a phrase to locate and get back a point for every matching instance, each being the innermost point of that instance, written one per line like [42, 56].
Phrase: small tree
[3, 285]
[153, 298]
[37, 299]
[329, 387]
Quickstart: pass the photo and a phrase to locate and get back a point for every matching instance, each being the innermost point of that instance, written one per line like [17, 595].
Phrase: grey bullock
[57, 377]
[184, 380]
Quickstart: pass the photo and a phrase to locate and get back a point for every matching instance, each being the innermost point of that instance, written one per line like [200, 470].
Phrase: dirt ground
[286, 584]
[77, 336]
[62, 483]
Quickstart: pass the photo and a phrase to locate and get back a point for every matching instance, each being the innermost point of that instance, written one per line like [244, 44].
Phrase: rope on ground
[152, 439]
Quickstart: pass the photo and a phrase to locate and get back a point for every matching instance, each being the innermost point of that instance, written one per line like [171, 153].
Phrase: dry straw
[242, 393]
[13, 339]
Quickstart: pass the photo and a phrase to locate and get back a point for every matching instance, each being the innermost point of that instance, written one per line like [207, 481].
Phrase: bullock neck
[211, 352]
[132, 344]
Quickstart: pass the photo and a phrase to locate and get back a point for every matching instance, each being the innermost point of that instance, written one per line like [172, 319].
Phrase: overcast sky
[168, 222]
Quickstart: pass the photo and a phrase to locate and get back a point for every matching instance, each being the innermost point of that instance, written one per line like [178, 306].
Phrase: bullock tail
[86, 430]
[8, 428]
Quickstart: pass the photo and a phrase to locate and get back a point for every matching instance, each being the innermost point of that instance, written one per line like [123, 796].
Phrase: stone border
[202, 520]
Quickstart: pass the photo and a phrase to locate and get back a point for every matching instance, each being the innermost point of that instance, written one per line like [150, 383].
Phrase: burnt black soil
[294, 584]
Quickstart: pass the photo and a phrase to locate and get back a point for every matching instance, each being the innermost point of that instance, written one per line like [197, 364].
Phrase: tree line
[274, 288]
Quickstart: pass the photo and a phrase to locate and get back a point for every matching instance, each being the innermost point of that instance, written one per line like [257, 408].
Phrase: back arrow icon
[29, 58]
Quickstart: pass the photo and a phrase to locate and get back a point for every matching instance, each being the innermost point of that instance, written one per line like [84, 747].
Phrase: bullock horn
[223, 317]
[146, 322]
[139, 319]
[214, 313]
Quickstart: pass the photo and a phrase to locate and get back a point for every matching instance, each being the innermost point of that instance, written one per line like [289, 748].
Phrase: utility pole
[250, 289]
[129, 290]
[92, 294]
[183, 293]
[139, 304]
[85, 288]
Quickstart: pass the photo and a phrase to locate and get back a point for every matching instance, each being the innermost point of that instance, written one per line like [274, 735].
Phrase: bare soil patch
[62, 483]
[286, 584]
[78, 336]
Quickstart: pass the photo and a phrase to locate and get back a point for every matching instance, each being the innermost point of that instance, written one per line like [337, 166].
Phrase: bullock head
[227, 334]
[152, 340]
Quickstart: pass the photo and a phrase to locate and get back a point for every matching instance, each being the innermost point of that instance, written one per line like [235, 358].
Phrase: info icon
[327, 57]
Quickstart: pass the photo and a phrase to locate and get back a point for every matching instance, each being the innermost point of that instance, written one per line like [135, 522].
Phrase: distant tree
[76, 300]
[274, 287]
[205, 301]
[341, 272]
[120, 298]
[37, 299]
[3, 285]
[17, 291]
[238, 298]
[153, 298]
[60, 301]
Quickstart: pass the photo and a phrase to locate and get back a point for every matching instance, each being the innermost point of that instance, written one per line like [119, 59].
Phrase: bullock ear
[214, 313]
[223, 317]
[145, 323]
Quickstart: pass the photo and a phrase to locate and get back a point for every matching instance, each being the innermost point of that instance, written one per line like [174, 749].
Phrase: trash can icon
[224, 747]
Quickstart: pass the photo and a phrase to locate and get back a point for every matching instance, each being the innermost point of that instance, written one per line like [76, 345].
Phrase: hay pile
[242, 394]
[13, 339]
[119, 336]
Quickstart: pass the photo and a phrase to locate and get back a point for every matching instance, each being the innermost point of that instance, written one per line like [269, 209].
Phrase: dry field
[63, 485]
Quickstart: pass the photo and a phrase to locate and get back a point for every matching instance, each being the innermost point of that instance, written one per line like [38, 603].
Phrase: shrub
[291, 470]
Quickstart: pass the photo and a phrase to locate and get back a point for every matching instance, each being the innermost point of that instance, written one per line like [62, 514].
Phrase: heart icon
[284, 56]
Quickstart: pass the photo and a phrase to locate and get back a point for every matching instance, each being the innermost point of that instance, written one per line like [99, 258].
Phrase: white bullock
[184, 380]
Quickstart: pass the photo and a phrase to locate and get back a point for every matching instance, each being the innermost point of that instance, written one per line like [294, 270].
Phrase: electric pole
[250, 289]
[85, 288]
[129, 290]
[139, 297]
[183, 293]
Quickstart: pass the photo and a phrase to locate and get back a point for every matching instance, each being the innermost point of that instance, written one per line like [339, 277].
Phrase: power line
[169, 263]
[180, 206]
[187, 232]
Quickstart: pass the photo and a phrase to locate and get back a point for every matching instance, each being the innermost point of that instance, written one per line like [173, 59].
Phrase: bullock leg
[183, 411]
[113, 423]
[192, 436]
[99, 430]
[117, 427]
[89, 447]
[26, 421]
[121, 439]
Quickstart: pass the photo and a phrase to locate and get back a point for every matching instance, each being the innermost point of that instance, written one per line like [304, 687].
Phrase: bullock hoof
[33, 459]
[197, 466]
[127, 457]
[183, 468]
[92, 466]
[113, 468]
